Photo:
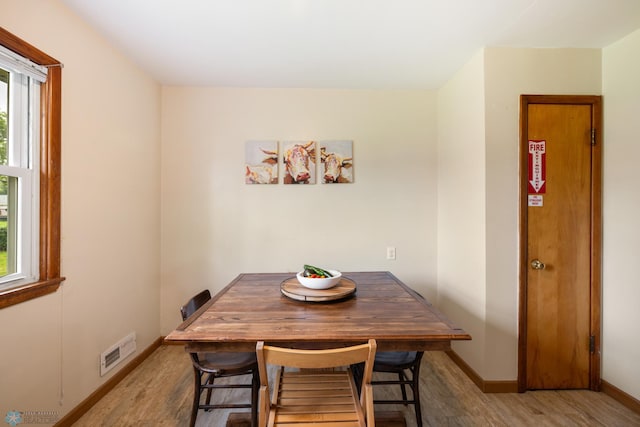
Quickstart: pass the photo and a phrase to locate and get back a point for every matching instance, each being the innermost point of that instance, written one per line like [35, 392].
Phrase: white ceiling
[377, 44]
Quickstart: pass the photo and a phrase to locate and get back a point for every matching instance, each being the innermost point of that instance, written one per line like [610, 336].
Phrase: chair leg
[196, 397]
[416, 394]
[255, 390]
[401, 377]
[210, 381]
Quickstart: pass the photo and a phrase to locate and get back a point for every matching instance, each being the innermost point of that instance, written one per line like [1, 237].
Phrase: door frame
[596, 232]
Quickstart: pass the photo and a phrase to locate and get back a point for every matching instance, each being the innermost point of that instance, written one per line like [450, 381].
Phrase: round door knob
[536, 264]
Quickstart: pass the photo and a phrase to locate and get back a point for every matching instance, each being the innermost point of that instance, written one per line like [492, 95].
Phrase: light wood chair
[313, 393]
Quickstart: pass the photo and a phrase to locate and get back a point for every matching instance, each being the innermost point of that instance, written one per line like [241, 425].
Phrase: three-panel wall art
[301, 162]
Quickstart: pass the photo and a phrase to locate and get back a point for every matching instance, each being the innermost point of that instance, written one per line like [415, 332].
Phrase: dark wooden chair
[406, 364]
[401, 363]
[209, 366]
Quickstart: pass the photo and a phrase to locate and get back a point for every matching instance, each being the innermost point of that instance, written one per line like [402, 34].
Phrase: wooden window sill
[30, 291]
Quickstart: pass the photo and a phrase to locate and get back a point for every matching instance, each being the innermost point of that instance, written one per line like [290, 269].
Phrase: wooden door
[560, 243]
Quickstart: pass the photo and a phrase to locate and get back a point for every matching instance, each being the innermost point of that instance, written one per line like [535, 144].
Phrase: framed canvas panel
[336, 159]
[299, 160]
[261, 162]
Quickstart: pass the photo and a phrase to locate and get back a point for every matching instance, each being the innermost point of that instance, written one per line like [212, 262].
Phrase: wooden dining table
[253, 308]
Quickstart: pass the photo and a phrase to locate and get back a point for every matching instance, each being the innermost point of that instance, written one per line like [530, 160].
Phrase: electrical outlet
[391, 252]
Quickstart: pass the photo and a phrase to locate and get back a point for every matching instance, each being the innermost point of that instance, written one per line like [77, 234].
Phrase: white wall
[214, 226]
[621, 293]
[110, 219]
[461, 206]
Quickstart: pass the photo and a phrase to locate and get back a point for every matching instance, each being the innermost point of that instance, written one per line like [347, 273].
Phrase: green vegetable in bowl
[311, 271]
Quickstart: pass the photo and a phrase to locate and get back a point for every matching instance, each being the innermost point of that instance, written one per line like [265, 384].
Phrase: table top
[251, 308]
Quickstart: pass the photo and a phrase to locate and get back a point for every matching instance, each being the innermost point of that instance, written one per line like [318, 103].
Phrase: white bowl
[319, 283]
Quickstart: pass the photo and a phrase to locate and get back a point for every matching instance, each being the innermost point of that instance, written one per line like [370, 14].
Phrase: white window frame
[22, 163]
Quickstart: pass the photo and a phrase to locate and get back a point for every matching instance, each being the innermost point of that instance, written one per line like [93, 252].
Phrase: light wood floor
[159, 393]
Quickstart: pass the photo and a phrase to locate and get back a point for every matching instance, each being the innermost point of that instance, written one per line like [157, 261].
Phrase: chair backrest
[318, 359]
[309, 359]
[195, 303]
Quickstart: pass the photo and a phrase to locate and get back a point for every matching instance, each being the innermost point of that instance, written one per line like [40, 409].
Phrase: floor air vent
[117, 352]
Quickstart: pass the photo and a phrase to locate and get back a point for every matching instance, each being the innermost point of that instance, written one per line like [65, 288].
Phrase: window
[19, 196]
[29, 171]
